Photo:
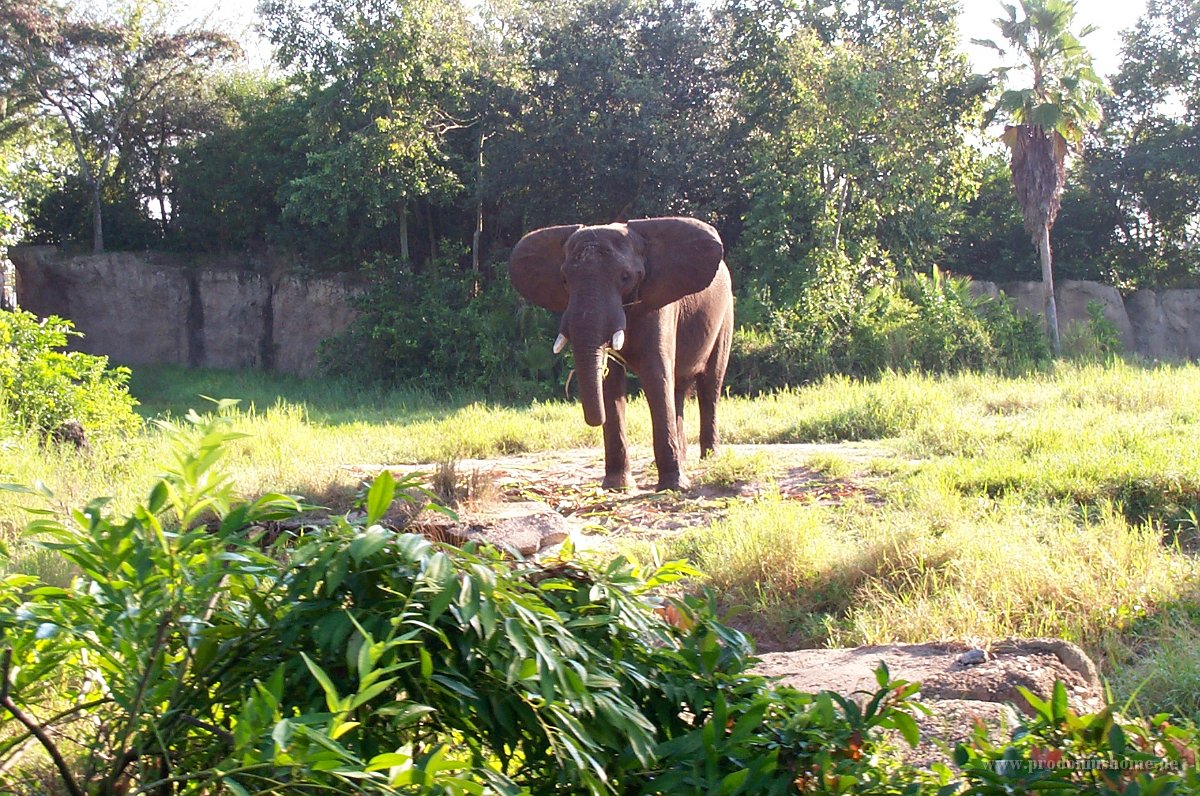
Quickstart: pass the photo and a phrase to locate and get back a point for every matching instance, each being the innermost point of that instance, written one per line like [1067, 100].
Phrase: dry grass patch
[943, 568]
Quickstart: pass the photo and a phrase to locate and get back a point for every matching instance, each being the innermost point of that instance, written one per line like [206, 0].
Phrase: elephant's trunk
[589, 369]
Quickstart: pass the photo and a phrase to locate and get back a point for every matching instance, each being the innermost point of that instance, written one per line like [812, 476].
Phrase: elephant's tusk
[559, 342]
[618, 339]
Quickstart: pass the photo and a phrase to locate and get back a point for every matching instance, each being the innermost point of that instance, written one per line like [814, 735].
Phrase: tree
[95, 72]
[1142, 162]
[229, 182]
[623, 113]
[382, 80]
[1050, 116]
[856, 116]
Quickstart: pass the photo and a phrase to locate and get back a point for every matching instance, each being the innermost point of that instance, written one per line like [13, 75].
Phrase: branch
[50, 722]
[35, 729]
[223, 734]
[135, 707]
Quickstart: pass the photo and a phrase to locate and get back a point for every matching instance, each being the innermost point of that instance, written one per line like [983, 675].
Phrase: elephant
[657, 292]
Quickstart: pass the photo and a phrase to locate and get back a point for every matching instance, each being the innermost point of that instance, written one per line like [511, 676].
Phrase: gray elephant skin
[656, 291]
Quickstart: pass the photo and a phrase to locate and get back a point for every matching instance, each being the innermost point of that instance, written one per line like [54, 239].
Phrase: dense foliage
[43, 386]
[832, 144]
[931, 323]
[191, 656]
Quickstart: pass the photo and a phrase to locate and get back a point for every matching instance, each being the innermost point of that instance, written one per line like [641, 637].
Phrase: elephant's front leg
[617, 474]
[668, 442]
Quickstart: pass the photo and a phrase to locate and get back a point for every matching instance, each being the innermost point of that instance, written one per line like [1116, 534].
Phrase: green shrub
[446, 330]
[42, 387]
[356, 659]
[928, 323]
[1095, 340]
[1100, 754]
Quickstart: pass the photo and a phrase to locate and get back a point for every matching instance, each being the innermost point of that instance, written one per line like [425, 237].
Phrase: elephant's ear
[535, 266]
[682, 257]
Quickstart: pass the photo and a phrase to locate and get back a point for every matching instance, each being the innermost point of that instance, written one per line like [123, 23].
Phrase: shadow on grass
[164, 390]
[1155, 662]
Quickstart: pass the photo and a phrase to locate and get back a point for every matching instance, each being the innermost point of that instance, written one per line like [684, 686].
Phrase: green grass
[1061, 503]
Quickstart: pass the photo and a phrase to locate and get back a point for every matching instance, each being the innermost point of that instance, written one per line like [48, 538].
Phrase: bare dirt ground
[568, 481]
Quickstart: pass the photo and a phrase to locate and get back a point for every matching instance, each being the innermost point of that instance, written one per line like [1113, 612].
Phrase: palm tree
[1049, 117]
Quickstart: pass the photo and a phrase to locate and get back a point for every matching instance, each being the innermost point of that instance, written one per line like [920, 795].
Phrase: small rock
[71, 433]
[973, 657]
[523, 528]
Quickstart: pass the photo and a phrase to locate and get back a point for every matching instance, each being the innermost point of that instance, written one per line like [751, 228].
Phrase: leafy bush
[362, 660]
[1101, 754]
[42, 387]
[1096, 339]
[930, 323]
[447, 330]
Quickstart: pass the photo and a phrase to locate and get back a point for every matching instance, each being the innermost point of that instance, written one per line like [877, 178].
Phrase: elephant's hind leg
[681, 393]
[708, 390]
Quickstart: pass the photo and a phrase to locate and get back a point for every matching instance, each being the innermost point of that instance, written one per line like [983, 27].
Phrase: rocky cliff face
[143, 309]
[8, 285]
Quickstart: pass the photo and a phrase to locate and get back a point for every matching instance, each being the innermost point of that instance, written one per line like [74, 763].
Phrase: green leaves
[41, 387]
[1066, 90]
[1058, 750]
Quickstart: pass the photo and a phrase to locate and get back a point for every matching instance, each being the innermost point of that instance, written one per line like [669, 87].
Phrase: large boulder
[230, 324]
[150, 309]
[1151, 336]
[1026, 297]
[962, 685]
[1182, 311]
[982, 289]
[8, 285]
[305, 312]
[948, 670]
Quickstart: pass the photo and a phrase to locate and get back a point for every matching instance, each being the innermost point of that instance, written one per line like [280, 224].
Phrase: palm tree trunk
[1048, 287]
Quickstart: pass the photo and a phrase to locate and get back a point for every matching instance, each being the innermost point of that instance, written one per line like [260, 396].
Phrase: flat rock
[1034, 664]
[521, 528]
[963, 689]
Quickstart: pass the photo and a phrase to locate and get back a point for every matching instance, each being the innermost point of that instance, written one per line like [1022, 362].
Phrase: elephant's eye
[626, 277]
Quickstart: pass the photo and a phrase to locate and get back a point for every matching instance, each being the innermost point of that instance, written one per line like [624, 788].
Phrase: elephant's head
[594, 275]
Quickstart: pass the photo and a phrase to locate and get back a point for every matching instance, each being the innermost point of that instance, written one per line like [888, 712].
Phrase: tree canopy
[99, 75]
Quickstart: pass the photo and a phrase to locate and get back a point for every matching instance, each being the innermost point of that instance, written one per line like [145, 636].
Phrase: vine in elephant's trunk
[658, 291]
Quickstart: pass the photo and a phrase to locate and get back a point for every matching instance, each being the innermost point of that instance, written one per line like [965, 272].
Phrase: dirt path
[568, 481]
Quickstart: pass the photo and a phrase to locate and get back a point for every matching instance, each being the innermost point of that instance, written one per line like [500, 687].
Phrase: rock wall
[1156, 325]
[144, 308]
[8, 285]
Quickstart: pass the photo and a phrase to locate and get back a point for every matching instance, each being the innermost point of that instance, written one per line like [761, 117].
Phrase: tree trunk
[1048, 288]
[404, 233]
[478, 234]
[97, 220]
[433, 247]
